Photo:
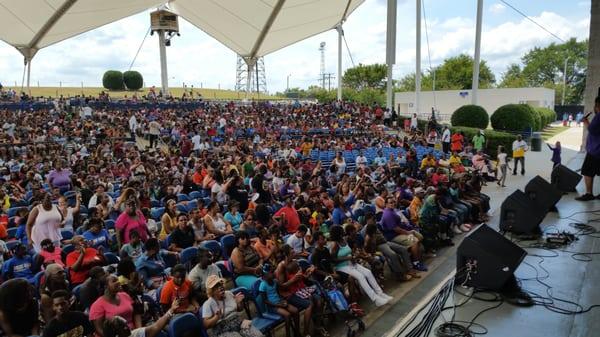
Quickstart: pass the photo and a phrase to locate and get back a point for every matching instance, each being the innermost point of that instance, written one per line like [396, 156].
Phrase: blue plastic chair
[181, 208]
[111, 258]
[12, 232]
[214, 247]
[195, 195]
[109, 224]
[156, 213]
[66, 234]
[304, 264]
[263, 324]
[13, 211]
[182, 197]
[11, 245]
[188, 255]
[227, 245]
[186, 322]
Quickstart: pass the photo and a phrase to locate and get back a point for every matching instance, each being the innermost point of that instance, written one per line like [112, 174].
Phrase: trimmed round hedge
[133, 80]
[493, 139]
[514, 117]
[548, 116]
[473, 116]
[113, 80]
[537, 120]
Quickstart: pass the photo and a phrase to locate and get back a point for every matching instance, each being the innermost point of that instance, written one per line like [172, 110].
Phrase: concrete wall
[447, 101]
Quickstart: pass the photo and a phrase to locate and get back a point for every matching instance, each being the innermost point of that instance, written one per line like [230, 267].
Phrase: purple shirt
[59, 178]
[389, 221]
[592, 145]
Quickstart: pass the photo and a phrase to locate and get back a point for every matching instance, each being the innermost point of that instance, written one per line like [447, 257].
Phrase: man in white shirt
[361, 160]
[297, 243]
[97, 197]
[197, 141]
[446, 140]
[519, 148]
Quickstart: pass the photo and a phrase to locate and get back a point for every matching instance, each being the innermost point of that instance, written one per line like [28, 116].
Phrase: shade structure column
[476, 60]
[164, 76]
[418, 61]
[390, 51]
[339, 70]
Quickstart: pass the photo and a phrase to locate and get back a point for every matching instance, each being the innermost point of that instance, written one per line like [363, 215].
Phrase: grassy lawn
[177, 92]
[552, 131]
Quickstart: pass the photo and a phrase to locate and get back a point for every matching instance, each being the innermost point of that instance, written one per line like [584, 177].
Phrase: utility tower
[258, 79]
[322, 75]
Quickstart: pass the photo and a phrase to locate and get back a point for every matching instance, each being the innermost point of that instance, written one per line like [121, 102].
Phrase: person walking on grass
[519, 148]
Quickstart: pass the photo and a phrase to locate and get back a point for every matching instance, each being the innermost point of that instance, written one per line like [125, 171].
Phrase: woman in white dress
[340, 164]
[44, 222]
[67, 212]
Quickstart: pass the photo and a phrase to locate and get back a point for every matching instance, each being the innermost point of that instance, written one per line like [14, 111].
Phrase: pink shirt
[53, 257]
[127, 224]
[101, 308]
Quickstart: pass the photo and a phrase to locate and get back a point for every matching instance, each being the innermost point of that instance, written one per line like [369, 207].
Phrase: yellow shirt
[455, 160]
[427, 162]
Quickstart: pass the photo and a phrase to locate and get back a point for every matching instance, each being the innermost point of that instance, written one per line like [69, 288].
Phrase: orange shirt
[171, 291]
[414, 208]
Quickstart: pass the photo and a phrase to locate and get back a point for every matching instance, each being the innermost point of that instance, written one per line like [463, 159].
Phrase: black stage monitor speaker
[565, 179]
[519, 214]
[543, 194]
[486, 259]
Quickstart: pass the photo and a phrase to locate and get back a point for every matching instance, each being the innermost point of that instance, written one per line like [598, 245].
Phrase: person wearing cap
[54, 279]
[221, 311]
[21, 265]
[519, 147]
[591, 164]
[99, 195]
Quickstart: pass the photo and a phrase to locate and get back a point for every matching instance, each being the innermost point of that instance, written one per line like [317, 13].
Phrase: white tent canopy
[254, 28]
[251, 28]
[34, 24]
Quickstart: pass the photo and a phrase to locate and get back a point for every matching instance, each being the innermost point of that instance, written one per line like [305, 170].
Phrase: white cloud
[196, 58]
[497, 8]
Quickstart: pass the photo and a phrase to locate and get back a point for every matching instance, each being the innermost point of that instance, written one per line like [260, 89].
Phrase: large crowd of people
[115, 221]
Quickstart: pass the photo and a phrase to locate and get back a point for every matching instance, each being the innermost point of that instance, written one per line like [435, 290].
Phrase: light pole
[288, 83]
[564, 81]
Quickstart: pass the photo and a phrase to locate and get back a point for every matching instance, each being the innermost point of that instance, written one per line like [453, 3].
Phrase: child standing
[502, 165]
[556, 150]
[270, 296]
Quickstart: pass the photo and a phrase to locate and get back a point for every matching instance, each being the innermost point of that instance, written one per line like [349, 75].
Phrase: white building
[446, 102]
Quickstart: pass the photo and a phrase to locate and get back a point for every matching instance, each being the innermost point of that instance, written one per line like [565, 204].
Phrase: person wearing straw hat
[221, 311]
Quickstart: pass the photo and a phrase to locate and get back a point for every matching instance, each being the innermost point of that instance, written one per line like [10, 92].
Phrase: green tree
[545, 67]
[365, 76]
[513, 77]
[456, 73]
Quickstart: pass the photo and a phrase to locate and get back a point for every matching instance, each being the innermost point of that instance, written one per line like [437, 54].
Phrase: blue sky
[196, 58]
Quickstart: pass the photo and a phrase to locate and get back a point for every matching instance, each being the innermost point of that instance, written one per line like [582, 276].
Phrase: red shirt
[291, 218]
[90, 259]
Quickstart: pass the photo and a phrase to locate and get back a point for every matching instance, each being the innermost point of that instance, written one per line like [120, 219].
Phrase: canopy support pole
[476, 61]
[418, 61]
[390, 51]
[28, 75]
[164, 76]
[250, 63]
[339, 70]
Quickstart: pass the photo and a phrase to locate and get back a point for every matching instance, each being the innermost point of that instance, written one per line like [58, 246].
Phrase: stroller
[335, 304]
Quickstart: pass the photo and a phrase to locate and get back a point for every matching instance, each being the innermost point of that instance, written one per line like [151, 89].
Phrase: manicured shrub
[493, 139]
[548, 116]
[113, 80]
[537, 120]
[471, 116]
[513, 117]
[133, 80]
